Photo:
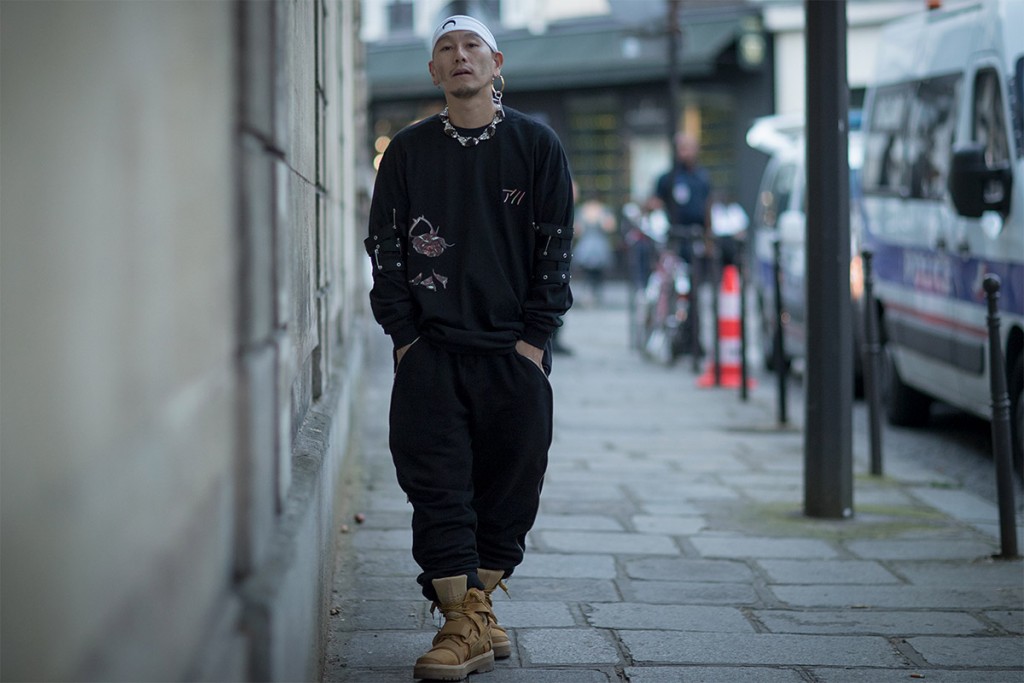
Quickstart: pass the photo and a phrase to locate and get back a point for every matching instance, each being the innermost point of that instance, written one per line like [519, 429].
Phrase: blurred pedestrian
[729, 225]
[470, 241]
[685, 191]
[595, 227]
[647, 230]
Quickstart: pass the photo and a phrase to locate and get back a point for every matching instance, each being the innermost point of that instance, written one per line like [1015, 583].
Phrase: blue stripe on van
[940, 273]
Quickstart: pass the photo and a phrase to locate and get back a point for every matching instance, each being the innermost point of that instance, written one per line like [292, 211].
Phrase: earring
[496, 93]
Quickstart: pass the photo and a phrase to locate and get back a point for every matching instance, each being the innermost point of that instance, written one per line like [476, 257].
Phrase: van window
[1017, 110]
[884, 155]
[931, 127]
[988, 125]
[775, 199]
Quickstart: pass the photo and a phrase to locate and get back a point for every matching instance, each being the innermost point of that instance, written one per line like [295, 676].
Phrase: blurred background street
[192, 383]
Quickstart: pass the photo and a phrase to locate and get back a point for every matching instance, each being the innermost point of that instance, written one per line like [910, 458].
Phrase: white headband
[460, 22]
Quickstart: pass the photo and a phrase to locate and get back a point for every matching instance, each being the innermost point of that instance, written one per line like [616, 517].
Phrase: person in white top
[729, 225]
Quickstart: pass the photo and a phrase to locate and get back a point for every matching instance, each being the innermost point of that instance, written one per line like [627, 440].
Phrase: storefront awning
[563, 57]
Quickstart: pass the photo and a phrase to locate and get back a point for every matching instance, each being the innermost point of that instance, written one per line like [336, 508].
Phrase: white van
[780, 216]
[943, 196]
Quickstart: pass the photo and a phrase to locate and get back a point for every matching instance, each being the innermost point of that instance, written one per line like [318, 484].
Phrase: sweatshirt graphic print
[471, 246]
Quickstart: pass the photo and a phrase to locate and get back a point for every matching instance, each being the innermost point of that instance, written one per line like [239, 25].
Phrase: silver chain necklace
[449, 129]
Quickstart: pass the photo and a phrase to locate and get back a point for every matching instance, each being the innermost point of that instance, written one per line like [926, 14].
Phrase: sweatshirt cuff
[536, 337]
[404, 336]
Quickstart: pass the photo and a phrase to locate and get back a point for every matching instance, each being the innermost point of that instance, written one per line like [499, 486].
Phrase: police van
[943, 199]
[780, 218]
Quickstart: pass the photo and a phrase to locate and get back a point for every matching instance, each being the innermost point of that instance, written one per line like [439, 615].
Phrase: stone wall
[181, 333]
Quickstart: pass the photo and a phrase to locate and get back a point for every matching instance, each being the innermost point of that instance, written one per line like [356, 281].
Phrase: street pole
[673, 77]
[828, 461]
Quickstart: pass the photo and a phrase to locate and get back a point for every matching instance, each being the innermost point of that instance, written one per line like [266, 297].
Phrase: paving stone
[826, 571]
[624, 543]
[382, 615]
[710, 674]
[957, 503]
[868, 497]
[382, 539]
[904, 675]
[793, 497]
[668, 617]
[761, 547]
[687, 570]
[526, 614]
[765, 480]
[632, 466]
[670, 525]
[865, 622]
[993, 530]
[683, 490]
[375, 649]
[503, 674]
[386, 588]
[929, 549]
[638, 557]
[689, 593]
[584, 506]
[567, 646]
[398, 563]
[577, 522]
[758, 649]
[983, 573]
[558, 565]
[573, 490]
[1011, 620]
[377, 675]
[566, 590]
[893, 597]
[1001, 652]
[382, 519]
[670, 507]
[386, 501]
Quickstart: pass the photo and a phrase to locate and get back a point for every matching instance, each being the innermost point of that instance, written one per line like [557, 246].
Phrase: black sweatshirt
[471, 245]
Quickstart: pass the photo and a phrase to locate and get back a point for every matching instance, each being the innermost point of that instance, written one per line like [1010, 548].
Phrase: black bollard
[872, 352]
[696, 277]
[1000, 423]
[779, 346]
[741, 259]
[715, 266]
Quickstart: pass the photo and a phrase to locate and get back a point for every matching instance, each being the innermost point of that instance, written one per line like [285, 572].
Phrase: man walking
[685, 191]
[470, 241]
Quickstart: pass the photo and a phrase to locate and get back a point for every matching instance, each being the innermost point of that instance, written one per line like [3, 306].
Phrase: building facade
[597, 71]
[183, 323]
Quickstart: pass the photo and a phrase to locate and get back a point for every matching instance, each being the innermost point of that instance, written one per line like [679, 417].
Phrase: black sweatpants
[469, 438]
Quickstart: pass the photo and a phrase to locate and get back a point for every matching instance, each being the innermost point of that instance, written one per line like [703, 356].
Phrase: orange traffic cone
[728, 335]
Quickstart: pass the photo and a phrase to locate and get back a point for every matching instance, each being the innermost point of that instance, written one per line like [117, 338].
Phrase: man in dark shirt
[685, 191]
[470, 239]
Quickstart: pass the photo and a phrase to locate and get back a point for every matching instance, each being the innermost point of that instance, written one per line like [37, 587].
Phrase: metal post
[673, 77]
[828, 425]
[872, 352]
[1000, 423]
[779, 345]
[696, 278]
[741, 259]
[716, 283]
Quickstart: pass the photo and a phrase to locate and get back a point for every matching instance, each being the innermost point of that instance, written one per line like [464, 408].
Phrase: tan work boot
[463, 645]
[500, 643]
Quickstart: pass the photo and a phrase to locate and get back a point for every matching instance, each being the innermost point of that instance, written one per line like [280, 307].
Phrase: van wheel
[904, 405]
[1017, 414]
